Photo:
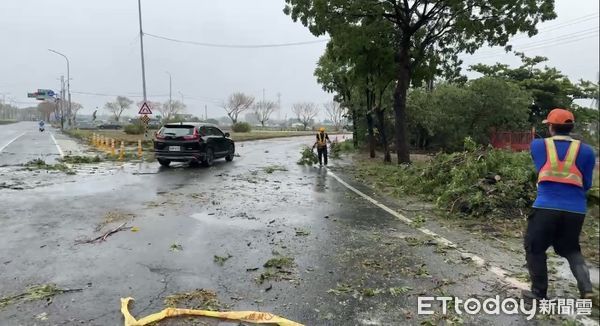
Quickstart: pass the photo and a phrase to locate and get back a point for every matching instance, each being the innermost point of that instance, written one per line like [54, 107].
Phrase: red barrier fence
[513, 140]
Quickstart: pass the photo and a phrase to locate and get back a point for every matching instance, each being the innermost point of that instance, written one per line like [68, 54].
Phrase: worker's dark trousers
[545, 228]
[322, 151]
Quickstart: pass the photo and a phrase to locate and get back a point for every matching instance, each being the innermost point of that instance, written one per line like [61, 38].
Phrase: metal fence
[512, 140]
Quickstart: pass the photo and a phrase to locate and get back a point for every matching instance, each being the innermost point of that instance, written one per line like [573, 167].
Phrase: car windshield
[178, 131]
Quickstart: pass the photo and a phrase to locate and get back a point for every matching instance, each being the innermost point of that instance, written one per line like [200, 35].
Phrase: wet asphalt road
[22, 142]
[338, 241]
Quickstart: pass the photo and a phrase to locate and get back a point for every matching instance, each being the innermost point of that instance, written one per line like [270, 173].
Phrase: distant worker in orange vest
[321, 144]
[565, 167]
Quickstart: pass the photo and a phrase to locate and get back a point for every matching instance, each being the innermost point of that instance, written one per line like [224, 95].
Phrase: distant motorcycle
[42, 127]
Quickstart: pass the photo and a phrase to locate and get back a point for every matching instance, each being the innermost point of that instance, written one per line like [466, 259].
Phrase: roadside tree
[425, 31]
[169, 111]
[336, 114]
[236, 104]
[263, 111]
[305, 112]
[118, 106]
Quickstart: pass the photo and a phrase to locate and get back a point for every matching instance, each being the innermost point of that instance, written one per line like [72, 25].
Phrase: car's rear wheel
[230, 153]
[210, 157]
[164, 163]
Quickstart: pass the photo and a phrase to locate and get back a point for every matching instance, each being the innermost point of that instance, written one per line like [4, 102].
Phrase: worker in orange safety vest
[565, 167]
[321, 144]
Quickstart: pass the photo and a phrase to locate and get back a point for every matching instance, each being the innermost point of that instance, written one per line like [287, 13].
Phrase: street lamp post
[68, 83]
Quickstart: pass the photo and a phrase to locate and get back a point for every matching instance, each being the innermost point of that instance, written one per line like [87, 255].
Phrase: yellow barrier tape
[244, 316]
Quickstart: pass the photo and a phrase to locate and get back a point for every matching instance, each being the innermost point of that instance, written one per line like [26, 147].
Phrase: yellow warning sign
[244, 316]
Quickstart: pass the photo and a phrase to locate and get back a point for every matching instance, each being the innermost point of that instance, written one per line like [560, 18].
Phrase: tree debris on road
[36, 292]
[176, 247]
[220, 260]
[103, 237]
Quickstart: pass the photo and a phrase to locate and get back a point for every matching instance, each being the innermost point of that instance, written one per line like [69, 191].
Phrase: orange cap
[559, 117]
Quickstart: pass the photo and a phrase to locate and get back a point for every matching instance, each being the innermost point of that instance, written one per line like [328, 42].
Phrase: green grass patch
[7, 122]
[339, 148]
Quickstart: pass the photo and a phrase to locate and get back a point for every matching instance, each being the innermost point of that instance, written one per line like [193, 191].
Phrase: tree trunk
[371, 134]
[354, 128]
[383, 135]
[402, 148]
[369, 116]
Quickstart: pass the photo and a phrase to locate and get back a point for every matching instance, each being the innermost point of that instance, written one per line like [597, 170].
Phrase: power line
[202, 99]
[549, 40]
[113, 95]
[571, 22]
[238, 46]
[539, 46]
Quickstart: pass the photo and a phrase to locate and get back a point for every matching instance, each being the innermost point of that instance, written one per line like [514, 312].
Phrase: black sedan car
[192, 142]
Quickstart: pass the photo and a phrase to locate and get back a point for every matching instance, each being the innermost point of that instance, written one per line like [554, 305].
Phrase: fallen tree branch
[105, 235]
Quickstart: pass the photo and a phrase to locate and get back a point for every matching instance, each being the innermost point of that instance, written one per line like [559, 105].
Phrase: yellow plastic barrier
[112, 147]
[244, 316]
[139, 149]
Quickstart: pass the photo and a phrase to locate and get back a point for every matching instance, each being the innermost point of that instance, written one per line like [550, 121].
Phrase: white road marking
[10, 142]
[498, 271]
[57, 147]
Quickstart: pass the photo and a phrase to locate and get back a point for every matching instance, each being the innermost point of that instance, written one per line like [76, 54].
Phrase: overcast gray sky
[101, 40]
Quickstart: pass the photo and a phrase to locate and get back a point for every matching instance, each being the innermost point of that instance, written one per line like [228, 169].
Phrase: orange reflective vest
[321, 140]
[564, 171]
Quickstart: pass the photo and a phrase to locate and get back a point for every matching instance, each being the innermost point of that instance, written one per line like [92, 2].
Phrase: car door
[218, 137]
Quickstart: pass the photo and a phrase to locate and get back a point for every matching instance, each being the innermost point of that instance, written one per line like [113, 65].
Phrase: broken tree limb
[105, 235]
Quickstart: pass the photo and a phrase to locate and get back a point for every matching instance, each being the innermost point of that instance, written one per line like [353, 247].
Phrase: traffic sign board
[145, 119]
[42, 94]
[145, 109]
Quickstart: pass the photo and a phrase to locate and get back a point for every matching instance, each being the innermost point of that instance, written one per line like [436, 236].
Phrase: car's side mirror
[227, 135]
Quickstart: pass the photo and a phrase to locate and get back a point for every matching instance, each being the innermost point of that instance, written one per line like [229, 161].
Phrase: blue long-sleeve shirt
[561, 196]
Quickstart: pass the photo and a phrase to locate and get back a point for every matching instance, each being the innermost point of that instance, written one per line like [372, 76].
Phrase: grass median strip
[129, 139]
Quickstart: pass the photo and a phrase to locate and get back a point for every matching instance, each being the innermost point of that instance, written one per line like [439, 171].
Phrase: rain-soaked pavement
[353, 263]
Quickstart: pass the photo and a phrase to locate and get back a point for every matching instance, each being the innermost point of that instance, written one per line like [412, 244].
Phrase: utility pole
[205, 112]
[278, 106]
[170, 93]
[62, 102]
[142, 50]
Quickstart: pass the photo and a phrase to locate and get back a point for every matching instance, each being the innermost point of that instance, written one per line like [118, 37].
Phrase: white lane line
[57, 147]
[498, 271]
[10, 142]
